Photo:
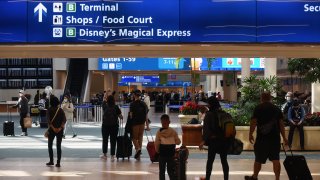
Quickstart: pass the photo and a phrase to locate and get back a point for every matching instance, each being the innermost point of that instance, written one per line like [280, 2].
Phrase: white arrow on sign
[41, 8]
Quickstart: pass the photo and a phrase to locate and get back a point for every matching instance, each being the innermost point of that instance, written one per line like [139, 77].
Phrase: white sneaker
[112, 158]
[23, 134]
[103, 157]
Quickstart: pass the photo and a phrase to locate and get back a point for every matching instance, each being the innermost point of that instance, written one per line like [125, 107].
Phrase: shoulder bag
[46, 134]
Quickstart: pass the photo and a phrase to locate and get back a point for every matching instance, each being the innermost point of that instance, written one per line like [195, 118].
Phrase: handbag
[27, 122]
[235, 147]
[46, 133]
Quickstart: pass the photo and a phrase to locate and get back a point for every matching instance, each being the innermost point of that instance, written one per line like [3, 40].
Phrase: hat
[21, 91]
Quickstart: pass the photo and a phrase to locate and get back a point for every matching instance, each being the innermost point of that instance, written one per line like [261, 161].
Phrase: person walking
[138, 117]
[146, 99]
[56, 122]
[165, 145]
[268, 119]
[110, 125]
[213, 137]
[68, 108]
[22, 105]
[296, 116]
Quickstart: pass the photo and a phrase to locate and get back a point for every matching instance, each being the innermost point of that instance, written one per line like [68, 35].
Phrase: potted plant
[188, 111]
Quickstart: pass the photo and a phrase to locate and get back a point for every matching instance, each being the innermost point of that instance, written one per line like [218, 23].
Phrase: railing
[94, 113]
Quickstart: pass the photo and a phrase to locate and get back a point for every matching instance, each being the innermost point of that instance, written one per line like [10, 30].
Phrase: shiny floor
[25, 157]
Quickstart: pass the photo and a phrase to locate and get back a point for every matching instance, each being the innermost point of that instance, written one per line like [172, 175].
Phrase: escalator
[77, 77]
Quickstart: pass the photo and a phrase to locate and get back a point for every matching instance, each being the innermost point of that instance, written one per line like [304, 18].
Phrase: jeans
[22, 116]
[111, 131]
[301, 133]
[166, 162]
[69, 124]
[51, 137]
[212, 151]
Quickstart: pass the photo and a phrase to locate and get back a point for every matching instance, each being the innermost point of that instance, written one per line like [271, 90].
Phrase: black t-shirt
[139, 111]
[265, 113]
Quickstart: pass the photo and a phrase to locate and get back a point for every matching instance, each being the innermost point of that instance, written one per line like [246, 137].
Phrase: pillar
[315, 93]
[245, 68]
[270, 67]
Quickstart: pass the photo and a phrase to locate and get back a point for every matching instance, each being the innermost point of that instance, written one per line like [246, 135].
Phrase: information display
[159, 21]
[288, 21]
[144, 64]
[226, 64]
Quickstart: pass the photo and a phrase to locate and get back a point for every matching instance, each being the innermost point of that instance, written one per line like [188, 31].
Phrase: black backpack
[110, 117]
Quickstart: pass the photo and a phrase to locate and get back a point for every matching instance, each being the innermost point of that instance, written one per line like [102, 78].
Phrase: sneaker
[103, 157]
[63, 136]
[58, 165]
[75, 135]
[49, 164]
[112, 158]
[137, 155]
[250, 178]
[23, 134]
[26, 134]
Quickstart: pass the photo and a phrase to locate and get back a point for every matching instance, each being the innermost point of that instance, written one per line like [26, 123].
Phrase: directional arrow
[40, 8]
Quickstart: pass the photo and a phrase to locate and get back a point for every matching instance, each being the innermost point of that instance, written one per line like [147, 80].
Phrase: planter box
[184, 119]
[191, 134]
[311, 135]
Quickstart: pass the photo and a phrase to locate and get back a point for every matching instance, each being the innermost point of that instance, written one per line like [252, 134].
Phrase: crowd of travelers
[267, 119]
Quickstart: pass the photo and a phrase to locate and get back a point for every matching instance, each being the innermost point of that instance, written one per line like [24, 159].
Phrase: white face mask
[20, 94]
[65, 100]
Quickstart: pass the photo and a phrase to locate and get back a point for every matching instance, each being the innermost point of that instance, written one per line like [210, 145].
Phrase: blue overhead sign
[150, 64]
[159, 21]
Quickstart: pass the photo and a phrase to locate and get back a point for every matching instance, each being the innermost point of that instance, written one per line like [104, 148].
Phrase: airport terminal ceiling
[158, 50]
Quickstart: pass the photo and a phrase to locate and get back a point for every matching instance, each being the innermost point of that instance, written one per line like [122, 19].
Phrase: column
[270, 67]
[245, 68]
[315, 93]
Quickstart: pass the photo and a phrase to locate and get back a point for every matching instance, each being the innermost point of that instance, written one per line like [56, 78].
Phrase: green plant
[309, 68]
[250, 97]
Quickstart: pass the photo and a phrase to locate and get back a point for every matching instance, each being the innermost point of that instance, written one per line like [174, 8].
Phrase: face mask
[65, 100]
[20, 95]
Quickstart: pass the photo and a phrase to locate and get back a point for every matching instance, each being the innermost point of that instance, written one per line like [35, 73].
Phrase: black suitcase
[181, 157]
[8, 128]
[124, 144]
[296, 167]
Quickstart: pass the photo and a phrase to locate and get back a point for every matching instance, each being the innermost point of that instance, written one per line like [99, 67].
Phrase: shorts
[266, 149]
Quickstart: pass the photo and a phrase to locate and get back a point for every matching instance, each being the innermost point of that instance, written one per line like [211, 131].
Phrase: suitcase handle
[145, 131]
[285, 153]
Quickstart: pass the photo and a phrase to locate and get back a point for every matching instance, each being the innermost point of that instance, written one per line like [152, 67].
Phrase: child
[165, 144]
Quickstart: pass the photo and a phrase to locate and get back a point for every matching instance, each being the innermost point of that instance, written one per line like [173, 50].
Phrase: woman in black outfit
[214, 139]
[56, 121]
[110, 126]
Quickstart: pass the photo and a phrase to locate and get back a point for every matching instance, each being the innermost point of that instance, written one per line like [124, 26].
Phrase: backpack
[42, 104]
[226, 124]
[110, 117]
[139, 112]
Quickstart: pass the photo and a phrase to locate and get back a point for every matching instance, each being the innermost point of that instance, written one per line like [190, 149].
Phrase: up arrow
[40, 7]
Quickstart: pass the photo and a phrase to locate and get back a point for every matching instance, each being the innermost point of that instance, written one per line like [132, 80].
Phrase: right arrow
[40, 7]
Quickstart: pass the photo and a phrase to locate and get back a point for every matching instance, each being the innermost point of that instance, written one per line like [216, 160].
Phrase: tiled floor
[25, 157]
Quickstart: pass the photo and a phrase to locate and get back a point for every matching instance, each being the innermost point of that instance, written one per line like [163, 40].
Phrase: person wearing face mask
[296, 116]
[285, 107]
[22, 104]
[68, 108]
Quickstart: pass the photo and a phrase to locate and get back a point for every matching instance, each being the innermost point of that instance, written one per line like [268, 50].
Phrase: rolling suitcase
[154, 156]
[8, 128]
[181, 157]
[296, 166]
[124, 144]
